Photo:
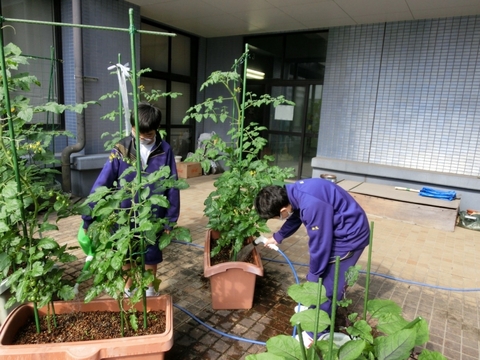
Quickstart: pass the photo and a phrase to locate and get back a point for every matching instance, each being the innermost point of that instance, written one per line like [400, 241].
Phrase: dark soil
[83, 326]
[224, 255]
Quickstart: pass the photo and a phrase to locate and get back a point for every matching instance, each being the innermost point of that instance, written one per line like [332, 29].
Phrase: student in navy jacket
[336, 226]
[155, 153]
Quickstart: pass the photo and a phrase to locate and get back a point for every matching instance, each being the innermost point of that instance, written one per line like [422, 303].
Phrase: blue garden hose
[234, 337]
[291, 264]
[396, 279]
[361, 271]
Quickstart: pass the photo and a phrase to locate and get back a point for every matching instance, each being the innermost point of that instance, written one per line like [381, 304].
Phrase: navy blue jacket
[335, 223]
[124, 153]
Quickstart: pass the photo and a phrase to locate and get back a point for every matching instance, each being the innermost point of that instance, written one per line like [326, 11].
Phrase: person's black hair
[270, 200]
[149, 117]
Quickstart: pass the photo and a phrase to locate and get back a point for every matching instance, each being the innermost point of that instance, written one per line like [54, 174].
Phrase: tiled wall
[404, 94]
[101, 49]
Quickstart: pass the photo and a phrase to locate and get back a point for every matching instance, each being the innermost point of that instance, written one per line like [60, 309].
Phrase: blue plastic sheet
[438, 194]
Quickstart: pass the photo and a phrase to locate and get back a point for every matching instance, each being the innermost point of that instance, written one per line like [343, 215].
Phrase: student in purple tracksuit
[336, 226]
[155, 153]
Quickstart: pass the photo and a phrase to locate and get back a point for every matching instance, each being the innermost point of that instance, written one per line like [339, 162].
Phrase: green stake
[369, 263]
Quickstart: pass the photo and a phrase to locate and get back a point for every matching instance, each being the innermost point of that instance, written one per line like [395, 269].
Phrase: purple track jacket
[160, 155]
[335, 223]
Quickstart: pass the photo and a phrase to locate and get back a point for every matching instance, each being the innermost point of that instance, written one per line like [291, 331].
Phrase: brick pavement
[400, 252]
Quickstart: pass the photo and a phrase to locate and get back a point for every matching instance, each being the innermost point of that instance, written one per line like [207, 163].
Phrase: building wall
[216, 54]
[403, 95]
[100, 50]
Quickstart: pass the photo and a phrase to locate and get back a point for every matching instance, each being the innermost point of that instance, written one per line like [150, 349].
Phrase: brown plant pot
[128, 348]
[232, 283]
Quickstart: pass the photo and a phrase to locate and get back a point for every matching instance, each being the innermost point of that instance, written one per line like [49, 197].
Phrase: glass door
[293, 130]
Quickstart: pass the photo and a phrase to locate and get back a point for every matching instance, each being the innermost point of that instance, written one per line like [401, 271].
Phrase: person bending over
[336, 226]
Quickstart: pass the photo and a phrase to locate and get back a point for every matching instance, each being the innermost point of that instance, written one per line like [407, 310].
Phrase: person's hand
[271, 243]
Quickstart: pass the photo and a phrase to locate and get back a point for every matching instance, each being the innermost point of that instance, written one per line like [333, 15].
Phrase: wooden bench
[387, 202]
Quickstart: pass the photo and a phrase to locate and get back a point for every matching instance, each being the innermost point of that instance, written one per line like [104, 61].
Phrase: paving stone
[401, 251]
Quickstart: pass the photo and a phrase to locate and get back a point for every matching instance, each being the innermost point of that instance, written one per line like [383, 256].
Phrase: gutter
[79, 97]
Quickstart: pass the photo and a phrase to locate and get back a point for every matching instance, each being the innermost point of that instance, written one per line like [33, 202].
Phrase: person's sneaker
[151, 292]
[129, 293]
[308, 337]
[300, 308]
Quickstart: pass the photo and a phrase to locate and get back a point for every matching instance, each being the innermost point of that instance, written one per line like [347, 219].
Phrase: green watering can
[85, 242]
[87, 246]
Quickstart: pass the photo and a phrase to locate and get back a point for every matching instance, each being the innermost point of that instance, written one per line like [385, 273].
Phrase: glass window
[43, 62]
[301, 55]
[150, 84]
[154, 54]
[285, 149]
[285, 117]
[181, 55]
[266, 55]
[305, 56]
[181, 140]
[181, 104]
[313, 109]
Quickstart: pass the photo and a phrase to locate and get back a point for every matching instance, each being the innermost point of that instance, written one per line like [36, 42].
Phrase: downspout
[79, 97]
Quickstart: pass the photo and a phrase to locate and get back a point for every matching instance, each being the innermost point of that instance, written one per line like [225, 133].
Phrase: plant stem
[367, 280]
[317, 313]
[37, 320]
[10, 127]
[54, 315]
[334, 307]
[242, 114]
[122, 318]
[133, 32]
[302, 345]
[49, 326]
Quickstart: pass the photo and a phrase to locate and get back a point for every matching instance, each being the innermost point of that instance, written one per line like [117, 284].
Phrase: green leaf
[66, 292]
[37, 269]
[134, 322]
[47, 227]
[4, 227]
[264, 356]
[9, 191]
[285, 346]
[395, 347]
[182, 234]
[307, 319]
[379, 307]
[361, 329]
[430, 355]
[421, 326]
[351, 350]
[307, 293]
[5, 261]
[116, 262]
[47, 243]
[26, 114]
[159, 200]
[391, 323]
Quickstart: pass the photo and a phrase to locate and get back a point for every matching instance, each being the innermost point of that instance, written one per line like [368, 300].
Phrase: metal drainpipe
[79, 97]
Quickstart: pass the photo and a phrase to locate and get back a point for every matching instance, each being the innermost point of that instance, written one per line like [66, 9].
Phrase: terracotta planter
[232, 283]
[127, 348]
[4, 296]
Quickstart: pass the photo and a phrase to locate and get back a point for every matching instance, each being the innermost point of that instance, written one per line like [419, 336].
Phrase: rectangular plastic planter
[127, 348]
[232, 283]
[4, 296]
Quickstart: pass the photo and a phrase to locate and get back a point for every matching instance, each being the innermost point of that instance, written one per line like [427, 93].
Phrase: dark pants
[329, 276]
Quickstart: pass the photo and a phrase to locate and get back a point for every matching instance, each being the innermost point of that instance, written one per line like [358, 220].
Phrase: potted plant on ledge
[232, 219]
